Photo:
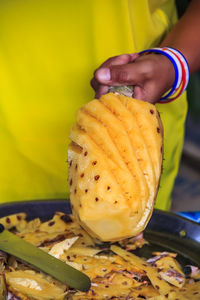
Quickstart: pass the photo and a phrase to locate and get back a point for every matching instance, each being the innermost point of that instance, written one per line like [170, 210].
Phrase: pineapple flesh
[115, 159]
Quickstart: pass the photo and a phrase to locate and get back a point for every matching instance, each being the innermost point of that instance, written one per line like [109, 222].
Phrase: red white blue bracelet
[181, 69]
[185, 73]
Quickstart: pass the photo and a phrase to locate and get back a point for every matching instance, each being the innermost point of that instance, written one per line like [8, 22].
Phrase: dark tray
[165, 231]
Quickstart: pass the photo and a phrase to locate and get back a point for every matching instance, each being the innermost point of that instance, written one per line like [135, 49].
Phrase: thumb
[117, 75]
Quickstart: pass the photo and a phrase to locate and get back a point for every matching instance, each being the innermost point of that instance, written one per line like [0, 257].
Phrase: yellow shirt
[48, 52]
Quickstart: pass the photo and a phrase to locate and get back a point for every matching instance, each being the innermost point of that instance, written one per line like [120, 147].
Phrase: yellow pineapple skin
[114, 161]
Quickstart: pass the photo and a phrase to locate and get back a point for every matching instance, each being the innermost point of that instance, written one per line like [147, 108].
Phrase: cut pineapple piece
[34, 286]
[115, 160]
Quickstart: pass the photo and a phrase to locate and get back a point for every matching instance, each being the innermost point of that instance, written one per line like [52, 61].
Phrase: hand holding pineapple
[115, 159]
[151, 75]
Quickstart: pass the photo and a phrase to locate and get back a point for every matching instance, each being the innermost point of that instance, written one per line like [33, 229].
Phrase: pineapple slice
[115, 160]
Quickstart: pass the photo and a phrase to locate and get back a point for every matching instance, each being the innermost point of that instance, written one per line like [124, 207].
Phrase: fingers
[102, 90]
[139, 93]
[116, 75]
[119, 60]
[148, 92]
[104, 72]
[151, 76]
[95, 84]
[99, 88]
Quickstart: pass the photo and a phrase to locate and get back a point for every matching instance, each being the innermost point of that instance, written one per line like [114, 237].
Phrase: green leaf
[25, 251]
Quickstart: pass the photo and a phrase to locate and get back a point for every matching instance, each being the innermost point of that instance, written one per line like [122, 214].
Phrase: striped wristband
[181, 69]
[185, 72]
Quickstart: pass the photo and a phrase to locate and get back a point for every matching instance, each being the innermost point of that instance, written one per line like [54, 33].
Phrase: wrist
[181, 70]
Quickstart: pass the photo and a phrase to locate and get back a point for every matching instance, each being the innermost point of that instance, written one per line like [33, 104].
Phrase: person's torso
[48, 52]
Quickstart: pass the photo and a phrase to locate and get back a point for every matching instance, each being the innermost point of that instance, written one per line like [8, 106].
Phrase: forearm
[185, 36]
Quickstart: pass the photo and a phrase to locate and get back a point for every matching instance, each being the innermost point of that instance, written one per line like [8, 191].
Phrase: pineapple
[115, 160]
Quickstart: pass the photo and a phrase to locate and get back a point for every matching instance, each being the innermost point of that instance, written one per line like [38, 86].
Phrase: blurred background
[186, 193]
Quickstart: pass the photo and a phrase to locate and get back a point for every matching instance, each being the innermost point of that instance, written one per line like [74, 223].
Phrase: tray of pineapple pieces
[115, 271]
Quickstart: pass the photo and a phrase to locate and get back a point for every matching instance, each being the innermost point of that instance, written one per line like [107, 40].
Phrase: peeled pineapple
[115, 160]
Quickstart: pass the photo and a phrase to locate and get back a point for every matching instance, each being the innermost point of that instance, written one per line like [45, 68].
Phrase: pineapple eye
[51, 223]
[8, 220]
[96, 177]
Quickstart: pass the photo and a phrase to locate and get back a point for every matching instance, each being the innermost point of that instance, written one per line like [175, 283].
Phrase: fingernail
[103, 74]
